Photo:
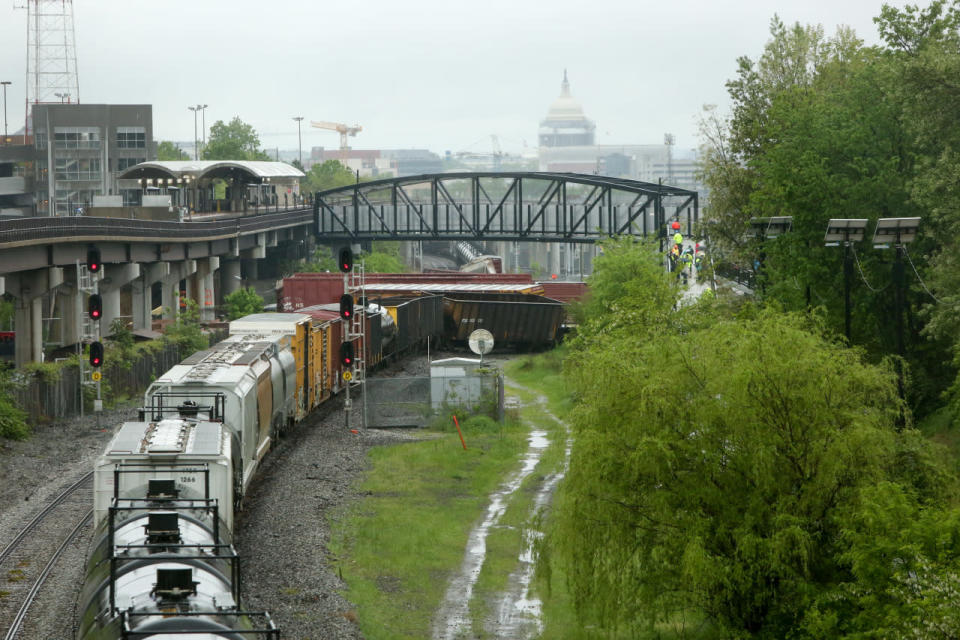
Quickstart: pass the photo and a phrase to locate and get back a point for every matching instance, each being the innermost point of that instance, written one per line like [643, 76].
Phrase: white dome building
[565, 124]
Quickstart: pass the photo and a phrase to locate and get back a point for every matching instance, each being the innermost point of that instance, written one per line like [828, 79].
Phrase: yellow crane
[343, 129]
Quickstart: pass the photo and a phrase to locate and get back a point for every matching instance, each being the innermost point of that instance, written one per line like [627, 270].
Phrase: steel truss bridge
[521, 206]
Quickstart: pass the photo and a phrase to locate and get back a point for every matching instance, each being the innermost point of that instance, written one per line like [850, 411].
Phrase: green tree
[235, 140]
[328, 175]
[723, 462]
[243, 302]
[166, 150]
[186, 330]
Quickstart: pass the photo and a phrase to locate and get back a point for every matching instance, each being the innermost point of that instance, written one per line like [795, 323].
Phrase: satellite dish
[481, 342]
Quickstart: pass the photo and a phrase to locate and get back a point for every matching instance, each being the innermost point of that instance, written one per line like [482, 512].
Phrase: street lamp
[64, 97]
[196, 145]
[299, 145]
[203, 123]
[4, 83]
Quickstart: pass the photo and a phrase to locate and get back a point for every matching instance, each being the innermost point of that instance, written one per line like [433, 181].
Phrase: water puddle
[518, 611]
[453, 619]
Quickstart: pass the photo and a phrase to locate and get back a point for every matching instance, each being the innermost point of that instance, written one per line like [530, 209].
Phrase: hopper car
[168, 486]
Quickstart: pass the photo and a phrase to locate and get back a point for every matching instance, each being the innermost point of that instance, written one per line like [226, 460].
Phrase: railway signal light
[93, 260]
[346, 354]
[346, 306]
[346, 260]
[95, 306]
[96, 354]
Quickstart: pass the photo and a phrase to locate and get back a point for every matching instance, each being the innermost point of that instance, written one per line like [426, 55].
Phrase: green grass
[399, 545]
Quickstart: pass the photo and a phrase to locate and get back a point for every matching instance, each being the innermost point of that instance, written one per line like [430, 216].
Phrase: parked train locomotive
[166, 488]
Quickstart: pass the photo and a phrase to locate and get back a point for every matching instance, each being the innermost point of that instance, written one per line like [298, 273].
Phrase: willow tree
[720, 460]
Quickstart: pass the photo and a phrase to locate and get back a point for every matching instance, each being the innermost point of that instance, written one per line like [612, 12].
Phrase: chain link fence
[417, 401]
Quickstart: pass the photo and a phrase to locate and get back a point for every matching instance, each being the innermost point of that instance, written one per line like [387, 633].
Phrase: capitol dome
[565, 107]
[565, 124]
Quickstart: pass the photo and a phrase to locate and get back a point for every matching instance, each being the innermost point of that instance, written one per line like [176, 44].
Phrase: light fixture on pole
[847, 231]
[899, 232]
[64, 97]
[196, 145]
[299, 144]
[203, 123]
[5, 83]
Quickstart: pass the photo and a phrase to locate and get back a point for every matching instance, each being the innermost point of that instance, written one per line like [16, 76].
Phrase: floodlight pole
[847, 276]
[898, 295]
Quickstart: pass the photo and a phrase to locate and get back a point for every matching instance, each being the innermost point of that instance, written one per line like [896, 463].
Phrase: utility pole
[299, 119]
[196, 144]
[5, 83]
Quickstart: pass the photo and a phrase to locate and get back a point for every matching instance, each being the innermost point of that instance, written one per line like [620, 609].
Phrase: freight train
[168, 485]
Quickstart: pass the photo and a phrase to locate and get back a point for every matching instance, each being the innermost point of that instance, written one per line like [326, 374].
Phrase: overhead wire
[860, 269]
[922, 283]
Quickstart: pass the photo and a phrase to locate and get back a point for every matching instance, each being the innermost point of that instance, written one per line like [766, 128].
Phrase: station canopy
[196, 170]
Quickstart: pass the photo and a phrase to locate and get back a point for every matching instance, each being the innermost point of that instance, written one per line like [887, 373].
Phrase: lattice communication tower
[51, 54]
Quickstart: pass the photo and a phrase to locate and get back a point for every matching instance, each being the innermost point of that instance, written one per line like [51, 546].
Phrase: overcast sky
[436, 74]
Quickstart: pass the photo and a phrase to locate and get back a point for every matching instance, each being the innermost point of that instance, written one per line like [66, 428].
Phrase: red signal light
[95, 306]
[93, 260]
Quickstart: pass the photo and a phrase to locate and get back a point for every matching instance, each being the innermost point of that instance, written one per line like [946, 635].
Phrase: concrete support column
[170, 298]
[205, 294]
[250, 270]
[142, 293]
[116, 276]
[29, 324]
[555, 266]
[30, 288]
[230, 278]
[73, 312]
[111, 309]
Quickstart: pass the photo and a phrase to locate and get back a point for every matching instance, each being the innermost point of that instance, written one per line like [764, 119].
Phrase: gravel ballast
[281, 535]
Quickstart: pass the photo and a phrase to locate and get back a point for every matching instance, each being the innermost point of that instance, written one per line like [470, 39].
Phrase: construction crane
[343, 129]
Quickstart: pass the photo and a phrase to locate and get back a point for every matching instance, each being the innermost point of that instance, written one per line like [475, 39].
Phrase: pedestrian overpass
[501, 206]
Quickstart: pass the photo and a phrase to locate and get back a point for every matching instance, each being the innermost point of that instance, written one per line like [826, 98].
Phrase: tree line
[738, 464]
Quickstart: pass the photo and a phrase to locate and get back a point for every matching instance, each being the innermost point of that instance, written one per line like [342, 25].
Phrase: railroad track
[27, 562]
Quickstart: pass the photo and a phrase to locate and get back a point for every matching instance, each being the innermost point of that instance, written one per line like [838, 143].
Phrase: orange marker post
[460, 432]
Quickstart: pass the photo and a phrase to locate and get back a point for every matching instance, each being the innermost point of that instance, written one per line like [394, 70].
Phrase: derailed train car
[167, 486]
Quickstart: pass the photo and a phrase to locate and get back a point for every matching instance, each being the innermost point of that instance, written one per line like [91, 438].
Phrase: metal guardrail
[42, 230]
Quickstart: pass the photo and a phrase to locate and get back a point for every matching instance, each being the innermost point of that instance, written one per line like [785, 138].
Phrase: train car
[515, 320]
[256, 374]
[292, 329]
[326, 333]
[167, 487]
[417, 319]
[163, 564]
[308, 289]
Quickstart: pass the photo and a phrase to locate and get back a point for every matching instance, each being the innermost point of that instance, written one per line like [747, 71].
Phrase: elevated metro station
[236, 186]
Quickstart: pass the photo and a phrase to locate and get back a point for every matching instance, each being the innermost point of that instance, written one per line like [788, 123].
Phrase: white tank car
[256, 375]
[163, 564]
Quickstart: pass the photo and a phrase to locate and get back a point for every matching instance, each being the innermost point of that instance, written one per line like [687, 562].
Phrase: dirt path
[517, 614]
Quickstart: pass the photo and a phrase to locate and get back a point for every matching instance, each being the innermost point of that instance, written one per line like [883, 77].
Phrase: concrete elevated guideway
[206, 259]
[209, 258]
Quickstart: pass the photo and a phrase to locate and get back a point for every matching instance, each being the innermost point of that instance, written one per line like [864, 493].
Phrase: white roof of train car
[284, 323]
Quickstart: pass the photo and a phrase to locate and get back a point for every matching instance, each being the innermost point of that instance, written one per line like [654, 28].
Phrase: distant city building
[80, 148]
[565, 124]
[73, 156]
[372, 163]
[567, 144]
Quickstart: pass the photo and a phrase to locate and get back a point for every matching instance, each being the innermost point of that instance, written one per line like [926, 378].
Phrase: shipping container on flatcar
[293, 326]
[515, 320]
